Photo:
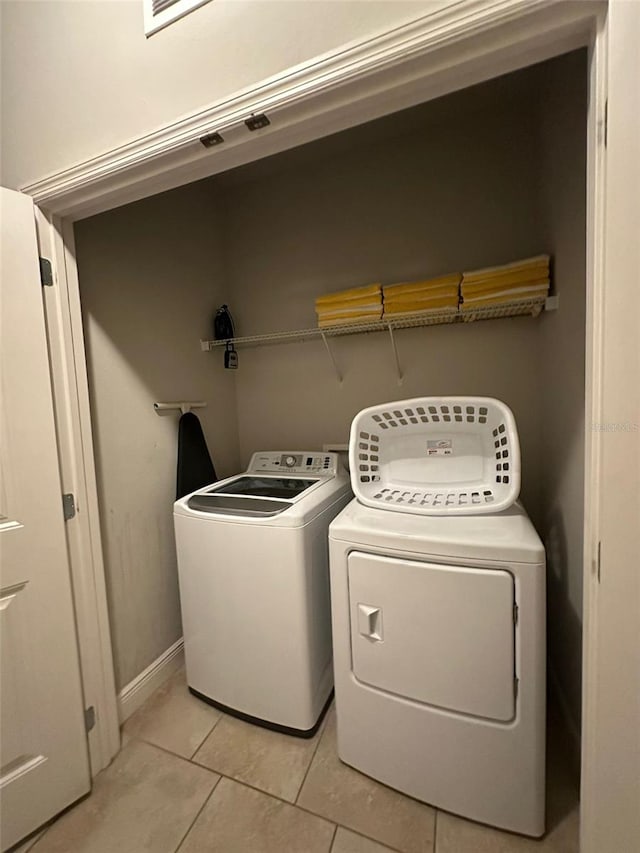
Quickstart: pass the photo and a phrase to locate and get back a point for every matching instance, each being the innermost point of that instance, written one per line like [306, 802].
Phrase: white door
[611, 675]
[43, 762]
[433, 633]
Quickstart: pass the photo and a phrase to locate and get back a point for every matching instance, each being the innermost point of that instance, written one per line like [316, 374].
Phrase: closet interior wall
[469, 180]
[150, 276]
[451, 185]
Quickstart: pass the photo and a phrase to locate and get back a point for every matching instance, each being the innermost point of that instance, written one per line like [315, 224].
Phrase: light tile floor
[193, 780]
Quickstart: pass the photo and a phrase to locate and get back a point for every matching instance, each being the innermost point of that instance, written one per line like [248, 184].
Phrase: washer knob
[290, 461]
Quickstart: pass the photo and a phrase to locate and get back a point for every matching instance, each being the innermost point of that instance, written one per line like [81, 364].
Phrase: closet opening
[487, 175]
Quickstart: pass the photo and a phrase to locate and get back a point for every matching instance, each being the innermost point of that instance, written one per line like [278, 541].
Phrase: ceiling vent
[160, 13]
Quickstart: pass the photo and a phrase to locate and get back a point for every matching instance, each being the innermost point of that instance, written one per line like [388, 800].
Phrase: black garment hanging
[195, 468]
[223, 327]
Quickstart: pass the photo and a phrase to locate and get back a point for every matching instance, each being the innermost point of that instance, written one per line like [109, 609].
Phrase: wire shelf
[517, 308]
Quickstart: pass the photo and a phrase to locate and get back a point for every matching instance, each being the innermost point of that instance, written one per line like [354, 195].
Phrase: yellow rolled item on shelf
[372, 316]
[350, 312]
[528, 277]
[429, 285]
[417, 297]
[513, 292]
[408, 304]
[539, 261]
[509, 293]
[421, 305]
[324, 322]
[370, 290]
[445, 309]
[510, 277]
[360, 309]
[352, 305]
[446, 290]
[498, 300]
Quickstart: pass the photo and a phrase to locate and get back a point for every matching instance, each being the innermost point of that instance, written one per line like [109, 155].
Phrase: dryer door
[437, 634]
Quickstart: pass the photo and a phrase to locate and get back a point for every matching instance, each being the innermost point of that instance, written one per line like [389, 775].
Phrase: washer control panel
[295, 462]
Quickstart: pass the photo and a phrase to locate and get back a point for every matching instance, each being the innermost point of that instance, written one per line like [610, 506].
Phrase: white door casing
[77, 470]
[44, 763]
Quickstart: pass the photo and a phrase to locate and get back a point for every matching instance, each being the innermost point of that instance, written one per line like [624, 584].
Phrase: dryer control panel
[295, 462]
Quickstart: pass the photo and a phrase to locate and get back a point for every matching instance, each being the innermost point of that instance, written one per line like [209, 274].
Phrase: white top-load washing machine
[254, 588]
[438, 607]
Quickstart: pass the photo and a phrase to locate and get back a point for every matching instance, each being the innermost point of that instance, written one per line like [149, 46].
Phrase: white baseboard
[137, 691]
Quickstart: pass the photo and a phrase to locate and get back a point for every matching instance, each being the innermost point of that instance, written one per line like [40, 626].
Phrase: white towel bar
[182, 405]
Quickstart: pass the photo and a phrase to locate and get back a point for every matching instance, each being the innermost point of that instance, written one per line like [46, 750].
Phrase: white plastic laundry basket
[436, 456]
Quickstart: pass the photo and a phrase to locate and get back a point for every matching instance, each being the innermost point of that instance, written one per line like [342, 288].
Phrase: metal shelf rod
[517, 308]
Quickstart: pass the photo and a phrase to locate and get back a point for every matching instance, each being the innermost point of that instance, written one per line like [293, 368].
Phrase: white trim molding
[134, 694]
[393, 70]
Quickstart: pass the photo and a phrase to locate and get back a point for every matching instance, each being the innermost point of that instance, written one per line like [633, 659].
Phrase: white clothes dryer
[254, 588]
[439, 616]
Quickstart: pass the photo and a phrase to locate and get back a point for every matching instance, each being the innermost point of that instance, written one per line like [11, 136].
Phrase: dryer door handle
[370, 622]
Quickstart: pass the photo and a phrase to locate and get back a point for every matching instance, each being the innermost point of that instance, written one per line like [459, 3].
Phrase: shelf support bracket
[395, 354]
[332, 357]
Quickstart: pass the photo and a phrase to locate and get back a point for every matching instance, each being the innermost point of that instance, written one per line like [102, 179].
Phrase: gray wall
[150, 278]
[80, 78]
[445, 197]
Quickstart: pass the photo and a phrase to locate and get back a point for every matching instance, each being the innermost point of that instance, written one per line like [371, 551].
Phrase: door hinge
[89, 718]
[68, 506]
[515, 614]
[598, 561]
[46, 272]
[606, 122]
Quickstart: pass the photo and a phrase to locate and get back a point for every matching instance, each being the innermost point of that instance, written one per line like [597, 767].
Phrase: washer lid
[237, 505]
[279, 500]
[255, 486]
[505, 537]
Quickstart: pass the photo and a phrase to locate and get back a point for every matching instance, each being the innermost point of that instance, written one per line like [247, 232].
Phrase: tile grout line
[205, 738]
[324, 817]
[268, 794]
[308, 811]
[198, 813]
[248, 785]
[174, 754]
[313, 756]
[295, 803]
[333, 838]
[368, 838]
[277, 797]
